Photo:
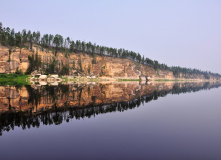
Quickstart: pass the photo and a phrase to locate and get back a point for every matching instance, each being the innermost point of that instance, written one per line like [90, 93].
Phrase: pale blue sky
[185, 33]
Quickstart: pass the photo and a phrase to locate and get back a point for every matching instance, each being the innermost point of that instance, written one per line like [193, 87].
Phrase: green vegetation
[168, 80]
[56, 43]
[13, 79]
[129, 80]
[34, 63]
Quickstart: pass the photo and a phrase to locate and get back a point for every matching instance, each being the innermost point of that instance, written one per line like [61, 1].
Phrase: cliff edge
[84, 65]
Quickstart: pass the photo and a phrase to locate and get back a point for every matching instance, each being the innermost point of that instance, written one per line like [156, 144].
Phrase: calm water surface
[111, 121]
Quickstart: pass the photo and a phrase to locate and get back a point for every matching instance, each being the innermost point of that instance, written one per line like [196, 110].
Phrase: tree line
[8, 37]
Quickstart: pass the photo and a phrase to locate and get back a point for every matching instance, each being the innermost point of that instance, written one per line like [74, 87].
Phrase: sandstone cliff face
[198, 76]
[82, 64]
[18, 59]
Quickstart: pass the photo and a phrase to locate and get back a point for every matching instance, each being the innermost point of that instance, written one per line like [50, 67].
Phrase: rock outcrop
[17, 59]
[81, 64]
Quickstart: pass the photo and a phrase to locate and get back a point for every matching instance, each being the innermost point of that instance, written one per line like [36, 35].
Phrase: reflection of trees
[185, 88]
[20, 119]
[56, 115]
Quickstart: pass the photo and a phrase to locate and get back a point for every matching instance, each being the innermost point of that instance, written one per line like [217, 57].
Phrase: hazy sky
[185, 33]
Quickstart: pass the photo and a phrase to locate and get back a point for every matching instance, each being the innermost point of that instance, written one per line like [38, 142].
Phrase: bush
[19, 72]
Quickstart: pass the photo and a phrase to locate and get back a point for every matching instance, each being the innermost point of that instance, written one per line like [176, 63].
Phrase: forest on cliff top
[55, 43]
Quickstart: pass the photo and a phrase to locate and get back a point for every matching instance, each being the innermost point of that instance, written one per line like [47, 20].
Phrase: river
[121, 120]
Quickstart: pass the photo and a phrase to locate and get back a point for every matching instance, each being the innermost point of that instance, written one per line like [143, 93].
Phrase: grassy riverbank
[186, 80]
[129, 80]
[13, 79]
[170, 80]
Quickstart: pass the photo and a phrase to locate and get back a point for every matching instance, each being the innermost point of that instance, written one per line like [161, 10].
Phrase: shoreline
[14, 79]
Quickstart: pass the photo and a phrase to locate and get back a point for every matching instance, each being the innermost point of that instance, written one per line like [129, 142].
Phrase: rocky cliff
[81, 64]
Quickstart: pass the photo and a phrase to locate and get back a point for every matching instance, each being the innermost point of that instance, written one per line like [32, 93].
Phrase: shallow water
[111, 121]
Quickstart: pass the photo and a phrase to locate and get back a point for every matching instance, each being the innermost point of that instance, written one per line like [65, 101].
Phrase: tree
[18, 39]
[0, 26]
[72, 46]
[50, 39]
[83, 45]
[28, 35]
[38, 35]
[45, 41]
[156, 65]
[7, 34]
[34, 37]
[139, 58]
[58, 41]
[1, 32]
[12, 38]
[30, 40]
[142, 61]
[68, 42]
[24, 36]
[78, 44]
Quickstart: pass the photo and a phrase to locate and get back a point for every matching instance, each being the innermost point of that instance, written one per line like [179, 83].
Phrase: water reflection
[29, 106]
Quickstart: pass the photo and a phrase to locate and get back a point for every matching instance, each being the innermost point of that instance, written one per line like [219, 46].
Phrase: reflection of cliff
[73, 95]
[28, 107]
[13, 98]
[43, 98]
